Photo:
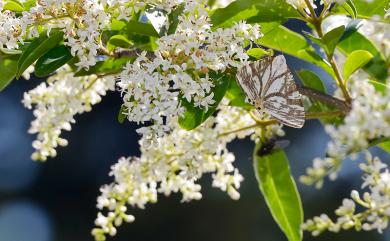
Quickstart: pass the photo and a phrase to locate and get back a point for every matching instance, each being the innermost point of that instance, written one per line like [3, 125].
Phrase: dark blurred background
[55, 201]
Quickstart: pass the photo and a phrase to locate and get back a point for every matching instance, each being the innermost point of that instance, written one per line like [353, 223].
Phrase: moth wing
[281, 97]
[249, 78]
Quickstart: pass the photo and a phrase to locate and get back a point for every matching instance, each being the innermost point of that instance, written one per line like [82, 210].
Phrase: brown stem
[317, 23]
[262, 124]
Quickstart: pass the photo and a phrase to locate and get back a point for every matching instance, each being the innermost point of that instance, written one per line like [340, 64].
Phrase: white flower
[184, 68]
[55, 104]
[375, 203]
[177, 164]
[368, 120]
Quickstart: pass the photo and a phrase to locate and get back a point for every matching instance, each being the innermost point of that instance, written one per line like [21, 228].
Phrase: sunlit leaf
[257, 53]
[356, 60]
[141, 28]
[282, 39]
[14, 6]
[253, 11]
[8, 68]
[332, 38]
[118, 41]
[280, 192]
[377, 67]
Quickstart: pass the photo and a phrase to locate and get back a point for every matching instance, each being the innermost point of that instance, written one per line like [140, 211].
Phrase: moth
[270, 87]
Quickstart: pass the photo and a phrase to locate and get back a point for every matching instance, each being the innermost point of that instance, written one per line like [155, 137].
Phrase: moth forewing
[269, 85]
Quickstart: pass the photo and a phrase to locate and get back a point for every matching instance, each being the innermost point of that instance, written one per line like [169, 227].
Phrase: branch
[262, 124]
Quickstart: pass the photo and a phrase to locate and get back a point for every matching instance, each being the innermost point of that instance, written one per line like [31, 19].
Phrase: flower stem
[317, 23]
[265, 123]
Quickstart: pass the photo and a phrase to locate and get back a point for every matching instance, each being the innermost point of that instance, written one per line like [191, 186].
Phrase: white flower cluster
[12, 29]
[368, 120]
[175, 166]
[181, 68]
[375, 203]
[57, 102]
[81, 21]
[369, 117]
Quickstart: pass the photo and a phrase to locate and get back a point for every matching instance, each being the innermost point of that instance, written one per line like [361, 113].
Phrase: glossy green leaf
[117, 25]
[280, 192]
[14, 6]
[37, 49]
[356, 60]
[174, 18]
[8, 68]
[109, 66]
[350, 7]
[195, 116]
[366, 9]
[118, 41]
[282, 39]
[52, 60]
[380, 87]
[257, 53]
[141, 28]
[377, 67]
[29, 4]
[332, 38]
[385, 146]
[253, 11]
[311, 80]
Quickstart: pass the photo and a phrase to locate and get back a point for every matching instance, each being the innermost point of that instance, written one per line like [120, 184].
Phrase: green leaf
[332, 38]
[350, 7]
[109, 66]
[173, 18]
[282, 39]
[385, 146]
[121, 116]
[366, 9]
[254, 11]
[29, 4]
[52, 60]
[117, 25]
[118, 41]
[37, 49]
[236, 96]
[380, 87]
[377, 67]
[257, 53]
[195, 116]
[141, 28]
[311, 80]
[14, 6]
[8, 67]
[280, 192]
[356, 60]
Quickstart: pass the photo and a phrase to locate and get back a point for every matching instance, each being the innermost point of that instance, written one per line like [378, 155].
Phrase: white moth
[270, 87]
